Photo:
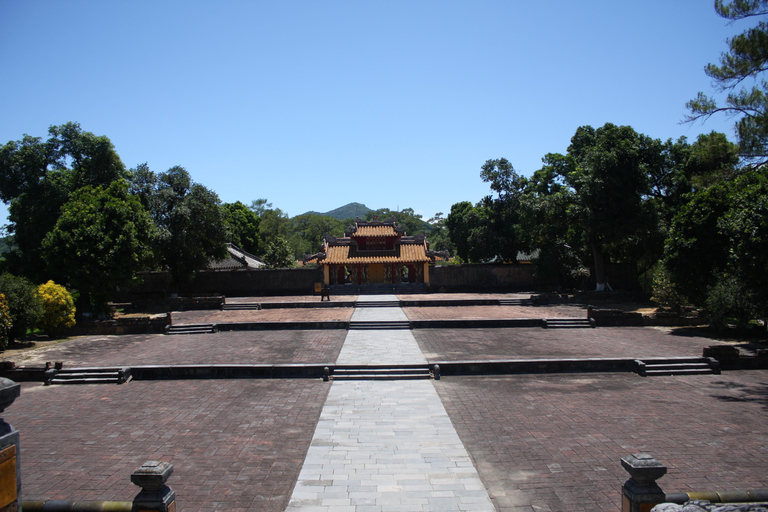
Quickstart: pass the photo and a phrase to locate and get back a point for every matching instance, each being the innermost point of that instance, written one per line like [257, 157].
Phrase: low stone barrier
[126, 325]
[641, 493]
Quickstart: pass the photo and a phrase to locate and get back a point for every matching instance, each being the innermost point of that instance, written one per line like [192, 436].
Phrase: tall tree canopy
[188, 218]
[740, 72]
[37, 178]
[100, 241]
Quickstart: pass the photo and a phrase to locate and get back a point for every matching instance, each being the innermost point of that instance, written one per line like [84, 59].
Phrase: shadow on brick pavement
[554, 442]
[540, 442]
[234, 444]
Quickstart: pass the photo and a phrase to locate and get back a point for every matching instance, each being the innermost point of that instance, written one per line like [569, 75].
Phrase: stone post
[10, 469]
[154, 495]
[641, 493]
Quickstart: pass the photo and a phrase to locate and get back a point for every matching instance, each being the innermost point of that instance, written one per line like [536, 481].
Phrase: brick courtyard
[539, 442]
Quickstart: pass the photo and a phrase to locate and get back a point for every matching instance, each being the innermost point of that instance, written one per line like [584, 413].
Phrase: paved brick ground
[491, 312]
[288, 346]
[543, 443]
[264, 315]
[535, 342]
[235, 445]
[553, 443]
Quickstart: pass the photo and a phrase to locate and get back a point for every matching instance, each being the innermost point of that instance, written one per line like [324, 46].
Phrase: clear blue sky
[313, 105]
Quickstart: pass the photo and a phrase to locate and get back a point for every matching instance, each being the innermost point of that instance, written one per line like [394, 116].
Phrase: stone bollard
[10, 469]
[154, 495]
[641, 493]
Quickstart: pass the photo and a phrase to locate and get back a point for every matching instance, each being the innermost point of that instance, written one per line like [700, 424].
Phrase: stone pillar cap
[643, 468]
[9, 391]
[152, 475]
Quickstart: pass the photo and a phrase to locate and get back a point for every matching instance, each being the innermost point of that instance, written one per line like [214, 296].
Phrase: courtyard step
[190, 329]
[241, 306]
[568, 323]
[400, 372]
[92, 376]
[514, 302]
[377, 304]
[380, 325]
[678, 366]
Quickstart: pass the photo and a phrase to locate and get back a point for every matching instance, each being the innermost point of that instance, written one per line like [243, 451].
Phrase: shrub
[730, 299]
[665, 293]
[58, 308]
[23, 304]
[5, 322]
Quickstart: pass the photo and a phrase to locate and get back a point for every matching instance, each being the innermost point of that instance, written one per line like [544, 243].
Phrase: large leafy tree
[99, 243]
[24, 306]
[242, 225]
[190, 223]
[37, 178]
[607, 172]
[740, 72]
[309, 230]
[717, 250]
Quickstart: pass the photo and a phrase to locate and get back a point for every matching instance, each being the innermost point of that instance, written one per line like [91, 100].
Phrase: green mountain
[350, 211]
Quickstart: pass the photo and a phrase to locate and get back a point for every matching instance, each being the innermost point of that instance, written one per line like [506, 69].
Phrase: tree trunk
[599, 261]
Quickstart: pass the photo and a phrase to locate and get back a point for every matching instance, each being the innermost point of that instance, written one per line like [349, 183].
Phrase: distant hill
[350, 211]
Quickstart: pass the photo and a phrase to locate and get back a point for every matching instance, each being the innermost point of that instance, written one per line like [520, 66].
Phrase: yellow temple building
[373, 252]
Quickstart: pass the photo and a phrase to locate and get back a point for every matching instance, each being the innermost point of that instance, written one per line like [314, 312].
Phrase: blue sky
[313, 105]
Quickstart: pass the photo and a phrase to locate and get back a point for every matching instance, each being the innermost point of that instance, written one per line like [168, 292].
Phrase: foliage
[730, 298]
[100, 241]
[309, 230]
[37, 178]
[23, 304]
[665, 294]
[188, 218]
[743, 64]
[58, 307]
[242, 226]
[279, 254]
[721, 236]
[5, 322]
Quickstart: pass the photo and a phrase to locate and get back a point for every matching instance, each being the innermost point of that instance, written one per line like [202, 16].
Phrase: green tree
[308, 231]
[37, 178]
[743, 64]
[608, 174]
[459, 223]
[100, 241]
[24, 305]
[242, 226]
[279, 253]
[190, 224]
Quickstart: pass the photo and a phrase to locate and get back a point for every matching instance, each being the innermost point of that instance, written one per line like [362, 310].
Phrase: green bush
[665, 293]
[24, 305]
[58, 308]
[728, 300]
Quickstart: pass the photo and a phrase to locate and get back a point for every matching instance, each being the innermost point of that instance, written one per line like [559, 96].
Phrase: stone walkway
[386, 445]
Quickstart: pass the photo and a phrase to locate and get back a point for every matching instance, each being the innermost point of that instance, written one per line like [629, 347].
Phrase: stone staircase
[514, 302]
[241, 306]
[190, 329]
[109, 375]
[381, 372]
[678, 366]
[568, 323]
[377, 304]
[379, 325]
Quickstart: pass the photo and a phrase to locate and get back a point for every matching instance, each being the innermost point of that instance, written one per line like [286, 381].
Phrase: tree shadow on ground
[743, 393]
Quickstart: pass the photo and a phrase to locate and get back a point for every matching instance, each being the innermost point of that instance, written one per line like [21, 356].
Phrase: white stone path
[384, 446]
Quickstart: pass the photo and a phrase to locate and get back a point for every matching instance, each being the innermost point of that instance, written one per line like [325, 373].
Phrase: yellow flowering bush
[5, 321]
[58, 306]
